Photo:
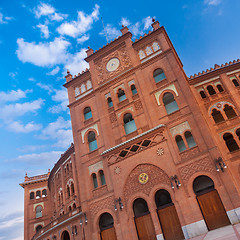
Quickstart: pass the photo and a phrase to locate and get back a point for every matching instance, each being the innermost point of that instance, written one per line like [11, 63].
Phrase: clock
[113, 64]
[143, 178]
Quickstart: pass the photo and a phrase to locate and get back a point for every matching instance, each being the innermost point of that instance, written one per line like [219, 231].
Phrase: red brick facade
[144, 134]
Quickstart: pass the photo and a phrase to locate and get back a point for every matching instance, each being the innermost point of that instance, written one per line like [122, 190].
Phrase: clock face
[113, 64]
[143, 178]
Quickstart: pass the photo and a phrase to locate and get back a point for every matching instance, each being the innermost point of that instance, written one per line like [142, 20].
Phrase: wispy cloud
[81, 26]
[212, 2]
[43, 54]
[13, 95]
[10, 111]
[83, 39]
[54, 71]
[44, 30]
[111, 31]
[18, 127]
[4, 20]
[46, 87]
[61, 98]
[38, 158]
[47, 10]
[60, 130]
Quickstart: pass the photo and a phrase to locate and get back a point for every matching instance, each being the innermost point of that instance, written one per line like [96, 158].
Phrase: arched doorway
[106, 225]
[143, 220]
[65, 236]
[210, 203]
[168, 217]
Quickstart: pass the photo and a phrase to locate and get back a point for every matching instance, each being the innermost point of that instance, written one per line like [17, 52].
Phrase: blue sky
[39, 40]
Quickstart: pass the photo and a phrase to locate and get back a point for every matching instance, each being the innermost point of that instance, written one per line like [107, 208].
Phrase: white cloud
[44, 30]
[9, 223]
[111, 32]
[212, 2]
[46, 87]
[13, 95]
[4, 20]
[76, 63]
[39, 158]
[10, 111]
[54, 71]
[60, 130]
[61, 97]
[44, 9]
[81, 26]
[147, 22]
[83, 39]
[43, 54]
[58, 16]
[20, 128]
[136, 29]
[125, 22]
[31, 79]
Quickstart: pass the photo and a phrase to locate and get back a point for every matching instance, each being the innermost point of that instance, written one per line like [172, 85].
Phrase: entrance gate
[210, 203]
[168, 217]
[143, 220]
[107, 229]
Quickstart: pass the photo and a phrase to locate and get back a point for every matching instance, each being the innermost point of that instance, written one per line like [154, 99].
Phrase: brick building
[155, 154]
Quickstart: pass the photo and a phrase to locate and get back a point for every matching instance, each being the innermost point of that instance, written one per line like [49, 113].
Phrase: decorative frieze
[180, 129]
[95, 167]
[170, 87]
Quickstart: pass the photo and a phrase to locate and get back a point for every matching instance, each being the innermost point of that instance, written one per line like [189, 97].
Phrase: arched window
[38, 194]
[203, 95]
[230, 142]
[229, 111]
[67, 168]
[190, 140]
[44, 192]
[87, 113]
[217, 116]
[129, 123]
[211, 90]
[92, 142]
[31, 195]
[94, 178]
[140, 207]
[238, 133]
[170, 103]
[202, 183]
[133, 89]
[38, 211]
[74, 205]
[38, 228]
[65, 235]
[220, 88]
[235, 82]
[70, 208]
[159, 75]
[110, 103]
[72, 189]
[102, 177]
[121, 95]
[68, 191]
[180, 143]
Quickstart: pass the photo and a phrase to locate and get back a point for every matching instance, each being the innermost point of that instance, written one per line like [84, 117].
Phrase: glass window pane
[93, 145]
[190, 140]
[171, 107]
[130, 127]
[180, 143]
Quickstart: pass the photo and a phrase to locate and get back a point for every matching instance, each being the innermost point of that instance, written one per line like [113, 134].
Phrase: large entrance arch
[106, 225]
[210, 203]
[143, 220]
[65, 236]
[168, 217]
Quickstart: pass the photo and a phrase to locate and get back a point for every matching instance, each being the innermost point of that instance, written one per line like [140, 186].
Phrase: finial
[26, 174]
[123, 26]
[49, 170]
[68, 72]
[153, 20]
[88, 47]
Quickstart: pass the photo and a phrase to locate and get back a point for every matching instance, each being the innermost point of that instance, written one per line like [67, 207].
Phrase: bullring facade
[155, 153]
